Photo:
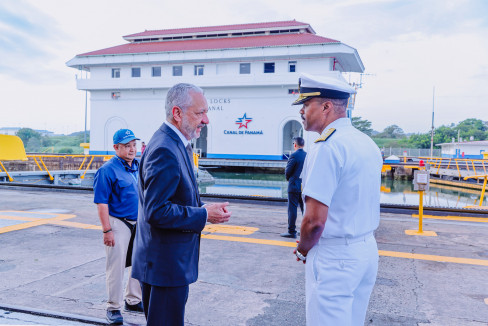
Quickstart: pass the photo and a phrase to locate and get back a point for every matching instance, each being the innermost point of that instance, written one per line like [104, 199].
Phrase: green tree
[419, 141]
[362, 125]
[392, 131]
[26, 134]
[472, 127]
[33, 145]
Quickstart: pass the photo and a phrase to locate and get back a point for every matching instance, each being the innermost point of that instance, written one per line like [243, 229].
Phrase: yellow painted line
[250, 240]
[230, 229]
[77, 225]
[20, 218]
[443, 259]
[38, 222]
[454, 218]
[446, 259]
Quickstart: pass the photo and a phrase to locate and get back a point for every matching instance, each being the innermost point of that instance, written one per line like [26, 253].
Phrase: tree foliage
[27, 133]
[466, 129]
[393, 136]
[392, 131]
[362, 125]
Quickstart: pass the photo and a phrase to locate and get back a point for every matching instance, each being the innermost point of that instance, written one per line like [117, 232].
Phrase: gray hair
[340, 104]
[180, 95]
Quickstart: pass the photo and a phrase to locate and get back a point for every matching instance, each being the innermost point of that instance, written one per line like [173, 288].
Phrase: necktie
[189, 150]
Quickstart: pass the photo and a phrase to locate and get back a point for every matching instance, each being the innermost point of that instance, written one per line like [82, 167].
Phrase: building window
[115, 72]
[198, 70]
[269, 67]
[292, 66]
[115, 95]
[156, 71]
[177, 70]
[136, 72]
[245, 68]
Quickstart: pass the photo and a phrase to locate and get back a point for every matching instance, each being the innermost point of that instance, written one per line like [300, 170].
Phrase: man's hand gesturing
[217, 213]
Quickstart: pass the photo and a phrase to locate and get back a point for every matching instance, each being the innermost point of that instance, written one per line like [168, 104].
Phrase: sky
[408, 47]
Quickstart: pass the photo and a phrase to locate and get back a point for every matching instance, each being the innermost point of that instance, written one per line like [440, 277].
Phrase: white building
[468, 149]
[249, 74]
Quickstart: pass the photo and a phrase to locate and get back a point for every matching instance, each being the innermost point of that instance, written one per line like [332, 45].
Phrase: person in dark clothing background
[292, 172]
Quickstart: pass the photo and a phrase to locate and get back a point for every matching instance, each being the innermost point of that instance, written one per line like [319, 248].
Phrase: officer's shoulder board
[326, 135]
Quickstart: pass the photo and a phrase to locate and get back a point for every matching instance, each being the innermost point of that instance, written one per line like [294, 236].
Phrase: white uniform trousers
[340, 275]
[115, 268]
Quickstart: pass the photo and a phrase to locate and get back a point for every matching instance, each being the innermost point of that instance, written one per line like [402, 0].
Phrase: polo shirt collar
[124, 163]
[178, 132]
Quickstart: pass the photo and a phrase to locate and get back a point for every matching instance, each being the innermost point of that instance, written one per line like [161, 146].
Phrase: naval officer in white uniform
[341, 191]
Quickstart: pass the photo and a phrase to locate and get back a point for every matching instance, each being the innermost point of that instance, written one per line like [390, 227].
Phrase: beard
[191, 131]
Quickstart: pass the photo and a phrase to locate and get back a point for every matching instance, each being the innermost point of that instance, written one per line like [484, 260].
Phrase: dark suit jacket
[167, 243]
[293, 170]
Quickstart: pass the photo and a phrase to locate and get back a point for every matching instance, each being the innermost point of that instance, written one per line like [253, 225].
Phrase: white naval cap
[330, 85]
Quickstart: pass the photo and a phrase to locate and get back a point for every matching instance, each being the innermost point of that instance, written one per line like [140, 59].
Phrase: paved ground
[52, 258]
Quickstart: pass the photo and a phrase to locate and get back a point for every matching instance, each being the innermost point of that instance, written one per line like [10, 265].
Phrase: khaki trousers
[115, 269]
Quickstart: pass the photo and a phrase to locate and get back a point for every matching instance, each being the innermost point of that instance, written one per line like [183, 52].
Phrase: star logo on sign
[242, 122]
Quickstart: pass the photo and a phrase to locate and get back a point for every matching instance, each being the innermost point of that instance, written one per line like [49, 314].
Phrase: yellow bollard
[421, 210]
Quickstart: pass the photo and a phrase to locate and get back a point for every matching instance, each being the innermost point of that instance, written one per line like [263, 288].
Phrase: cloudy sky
[407, 47]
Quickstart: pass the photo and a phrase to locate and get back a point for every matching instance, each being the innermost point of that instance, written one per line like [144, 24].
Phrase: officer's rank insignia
[326, 135]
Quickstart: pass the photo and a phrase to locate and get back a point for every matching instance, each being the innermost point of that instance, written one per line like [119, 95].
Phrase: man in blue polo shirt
[115, 187]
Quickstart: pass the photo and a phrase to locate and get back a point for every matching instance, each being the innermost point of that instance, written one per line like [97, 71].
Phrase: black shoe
[289, 235]
[114, 317]
[134, 307]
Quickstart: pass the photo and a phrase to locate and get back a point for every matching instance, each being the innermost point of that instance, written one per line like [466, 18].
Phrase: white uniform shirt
[344, 173]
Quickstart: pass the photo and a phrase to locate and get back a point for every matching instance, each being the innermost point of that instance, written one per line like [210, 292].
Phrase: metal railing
[86, 162]
[460, 165]
[415, 152]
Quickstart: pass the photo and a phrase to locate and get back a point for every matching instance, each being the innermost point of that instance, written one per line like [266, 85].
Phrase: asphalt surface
[52, 262]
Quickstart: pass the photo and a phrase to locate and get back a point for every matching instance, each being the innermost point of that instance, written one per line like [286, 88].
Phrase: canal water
[392, 191]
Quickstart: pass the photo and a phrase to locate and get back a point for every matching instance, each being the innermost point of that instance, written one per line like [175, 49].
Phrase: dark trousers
[294, 199]
[164, 306]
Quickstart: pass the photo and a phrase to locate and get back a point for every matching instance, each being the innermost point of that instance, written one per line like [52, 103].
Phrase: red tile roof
[289, 23]
[214, 44]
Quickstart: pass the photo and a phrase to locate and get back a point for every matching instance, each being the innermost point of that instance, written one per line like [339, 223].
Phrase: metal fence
[416, 152]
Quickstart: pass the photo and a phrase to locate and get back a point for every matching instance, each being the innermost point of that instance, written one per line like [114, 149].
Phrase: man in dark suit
[171, 214]
[292, 172]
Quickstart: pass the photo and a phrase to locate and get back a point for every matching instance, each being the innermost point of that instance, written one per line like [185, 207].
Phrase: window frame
[115, 72]
[133, 72]
[199, 70]
[245, 64]
[157, 68]
[175, 69]
[266, 70]
[292, 64]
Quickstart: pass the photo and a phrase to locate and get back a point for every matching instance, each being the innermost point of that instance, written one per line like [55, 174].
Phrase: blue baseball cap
[123, 136]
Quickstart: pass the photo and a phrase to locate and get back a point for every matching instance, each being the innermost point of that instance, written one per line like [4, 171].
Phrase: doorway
[291, 130]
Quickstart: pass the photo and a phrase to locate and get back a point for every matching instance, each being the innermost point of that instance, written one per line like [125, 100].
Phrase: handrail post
[457, 167]
[87, 167]
[8, 175]
[483, 191]
[84, 159]
[421, 210]
[44, 165]
[35, 160]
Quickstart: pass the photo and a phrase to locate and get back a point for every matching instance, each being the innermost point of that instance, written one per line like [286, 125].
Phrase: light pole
[432, 131]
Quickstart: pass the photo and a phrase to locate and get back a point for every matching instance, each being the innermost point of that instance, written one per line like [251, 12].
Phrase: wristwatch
[300, 256]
